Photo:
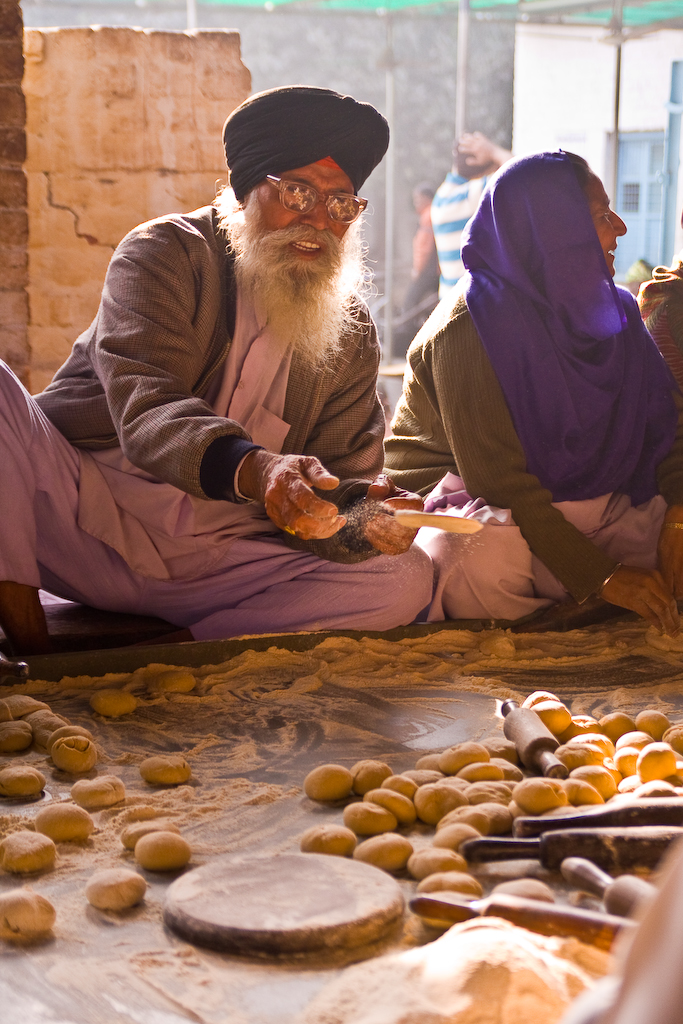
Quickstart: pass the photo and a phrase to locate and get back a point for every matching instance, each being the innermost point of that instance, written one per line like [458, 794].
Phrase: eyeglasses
[341, 206]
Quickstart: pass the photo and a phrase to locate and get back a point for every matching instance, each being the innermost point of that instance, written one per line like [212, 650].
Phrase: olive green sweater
[453, 417]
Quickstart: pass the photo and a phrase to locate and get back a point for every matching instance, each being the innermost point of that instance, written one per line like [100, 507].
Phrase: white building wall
[564, 91]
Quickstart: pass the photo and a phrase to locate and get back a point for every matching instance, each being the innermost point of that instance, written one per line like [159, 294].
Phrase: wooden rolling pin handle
[551, 766]
[550, 919]
[585, 875]
[531, 738]
[499, 849]
[621, 895]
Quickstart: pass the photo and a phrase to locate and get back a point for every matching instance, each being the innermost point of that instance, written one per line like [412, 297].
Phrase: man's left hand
[384, 531]
[670, 551]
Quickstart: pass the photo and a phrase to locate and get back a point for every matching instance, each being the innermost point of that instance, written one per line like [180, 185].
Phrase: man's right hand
[645, 592]
[283, 484]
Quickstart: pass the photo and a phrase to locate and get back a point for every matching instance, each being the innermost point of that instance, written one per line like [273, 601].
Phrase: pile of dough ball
[26, 722]
[476, 789]
[157, 845]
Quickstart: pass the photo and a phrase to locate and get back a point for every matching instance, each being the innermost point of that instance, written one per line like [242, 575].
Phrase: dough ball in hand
[115, 889]
[25, 915]
[15, 736]
[328, 782]
[24, 853]
[113, 703]
[335, 840]
[165, 770]
[162, 851]
[389, 852]
[74, 754]
[104, 791]
[64, 823]
[369, 775]
[21, 780]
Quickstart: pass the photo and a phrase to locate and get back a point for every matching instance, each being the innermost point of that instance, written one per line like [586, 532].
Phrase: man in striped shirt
[475, 158]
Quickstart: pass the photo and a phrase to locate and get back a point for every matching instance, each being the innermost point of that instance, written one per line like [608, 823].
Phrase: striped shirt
[453, 205]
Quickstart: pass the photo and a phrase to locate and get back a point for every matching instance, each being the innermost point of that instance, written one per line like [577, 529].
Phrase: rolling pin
[620, 895]
[11, 670]
[663, 811]
[437, 520]
[613, 849]
[535, 915]
[535, 743]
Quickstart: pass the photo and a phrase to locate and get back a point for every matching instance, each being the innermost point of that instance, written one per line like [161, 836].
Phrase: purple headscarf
[588, 392]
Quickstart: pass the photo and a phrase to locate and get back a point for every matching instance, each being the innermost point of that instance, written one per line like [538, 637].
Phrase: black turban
[296, 125]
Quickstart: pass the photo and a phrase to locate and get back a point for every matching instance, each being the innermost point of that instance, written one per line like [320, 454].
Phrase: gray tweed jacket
[138, 375]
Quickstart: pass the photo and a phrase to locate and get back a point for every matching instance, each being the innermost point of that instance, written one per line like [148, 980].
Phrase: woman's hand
[644, 591]
[384, 531]
[670, 550]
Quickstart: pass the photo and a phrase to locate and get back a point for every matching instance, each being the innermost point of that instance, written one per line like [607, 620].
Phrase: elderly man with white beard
[211, 450]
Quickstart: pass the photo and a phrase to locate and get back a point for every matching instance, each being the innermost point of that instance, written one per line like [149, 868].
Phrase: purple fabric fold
[588, 391]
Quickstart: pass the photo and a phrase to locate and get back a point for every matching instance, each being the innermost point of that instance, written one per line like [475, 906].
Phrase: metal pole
[672, 154]
[191, 14]
[461, 68]
[389, 87]
[617, 25]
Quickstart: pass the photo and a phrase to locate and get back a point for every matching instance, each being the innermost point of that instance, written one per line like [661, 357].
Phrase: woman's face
[608, 224]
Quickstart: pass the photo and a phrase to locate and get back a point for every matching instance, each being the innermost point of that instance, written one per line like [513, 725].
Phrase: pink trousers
[494, 575]
[257, 585]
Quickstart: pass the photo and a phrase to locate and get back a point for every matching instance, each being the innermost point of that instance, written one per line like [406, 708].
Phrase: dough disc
[291, 903]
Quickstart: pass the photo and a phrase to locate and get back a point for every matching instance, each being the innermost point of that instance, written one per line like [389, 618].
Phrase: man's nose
[317, 217]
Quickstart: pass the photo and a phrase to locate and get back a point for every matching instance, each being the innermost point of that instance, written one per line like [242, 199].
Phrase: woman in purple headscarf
[536, 401]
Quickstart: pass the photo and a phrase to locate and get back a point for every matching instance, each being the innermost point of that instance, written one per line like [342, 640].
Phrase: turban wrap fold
[296, 125]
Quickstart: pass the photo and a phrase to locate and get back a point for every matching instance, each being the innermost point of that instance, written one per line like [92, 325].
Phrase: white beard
[309, 304]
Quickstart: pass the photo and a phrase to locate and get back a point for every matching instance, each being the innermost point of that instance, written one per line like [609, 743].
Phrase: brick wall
[123, 125]
[13, 203]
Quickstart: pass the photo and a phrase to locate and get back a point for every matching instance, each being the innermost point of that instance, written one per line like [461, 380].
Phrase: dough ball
[540, 697]
[479, 820]
[141, 812]
[434, 801]
[429, 761]
[133, 833]
[433, 859]
[575, 755]
[423, 776]
[369, 775]
[455, 758]
[400, 806]
[617, 724]
[21, 704]
[15, 736]
[333, 839]
[498, 646]
[626, 759]
[535, 796]
[74, 754]
[480, 771]
[23, 853]
[328, 782]
[580, 724]
[388, 852]
[113, 703]
[25, 915]
[451, 881]
[369, 819]
[500, 819]
[165, 770]
[174, 681]
[510, 771]
[598, 777]
[654, 788]
[93, 794]
[674, 737]
[452, 836]
[500, 747]
[580, 792]
[64, 823]
[596, 739]
[528, 888]
[656, 761]
[67, 730]
[162, 851]
[554, 715]
[115, 889]
[654, 722]
[21, 780]
[633, 739]
[5, 713]
[44, 723]
[630, 784]
[490, 792]
[401, 784]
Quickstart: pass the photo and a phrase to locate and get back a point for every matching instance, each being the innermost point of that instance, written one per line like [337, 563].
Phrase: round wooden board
[291, 903]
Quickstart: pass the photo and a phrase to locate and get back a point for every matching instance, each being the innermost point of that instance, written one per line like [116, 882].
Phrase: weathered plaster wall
[123, 125]
[13, 213]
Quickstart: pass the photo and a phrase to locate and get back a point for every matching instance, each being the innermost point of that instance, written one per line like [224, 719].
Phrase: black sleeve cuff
[219, 465]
